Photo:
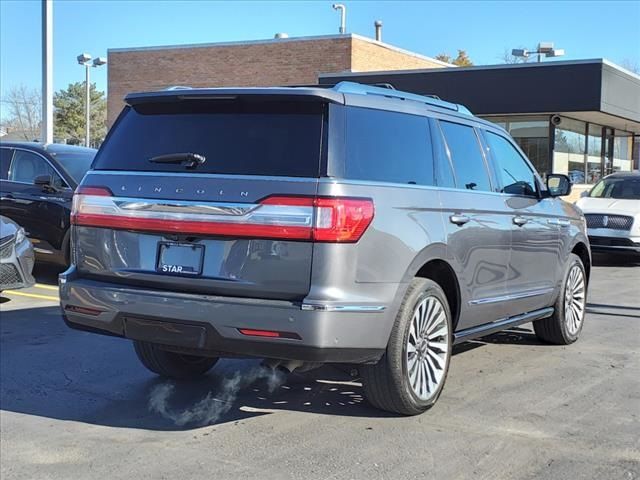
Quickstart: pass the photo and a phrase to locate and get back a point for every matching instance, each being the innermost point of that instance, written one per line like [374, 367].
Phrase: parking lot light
[85, 60]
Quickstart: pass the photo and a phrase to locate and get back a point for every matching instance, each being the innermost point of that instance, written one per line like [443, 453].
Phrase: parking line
[32, 295]
[46, 287]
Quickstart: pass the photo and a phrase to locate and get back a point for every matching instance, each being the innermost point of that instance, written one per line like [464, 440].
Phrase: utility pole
[46, 134]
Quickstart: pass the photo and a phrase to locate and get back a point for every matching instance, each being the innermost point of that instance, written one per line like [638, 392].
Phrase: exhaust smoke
[209, 409]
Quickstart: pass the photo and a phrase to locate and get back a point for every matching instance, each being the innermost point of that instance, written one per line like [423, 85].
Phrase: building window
[569, 150]
[622, 151]
[594, 153]
[532, 136]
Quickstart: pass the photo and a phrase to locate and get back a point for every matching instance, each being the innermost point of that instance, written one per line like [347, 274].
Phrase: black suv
[36, 188]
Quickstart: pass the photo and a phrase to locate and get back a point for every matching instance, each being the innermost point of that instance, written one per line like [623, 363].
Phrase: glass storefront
[583, 151]
[569, 149]
[622, 151]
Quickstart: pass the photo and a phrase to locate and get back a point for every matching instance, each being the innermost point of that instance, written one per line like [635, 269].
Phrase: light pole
[545, 48]
[85, 59]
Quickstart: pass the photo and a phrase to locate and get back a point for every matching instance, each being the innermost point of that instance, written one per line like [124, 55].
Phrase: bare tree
[21, 111]
[631, 65]
[507, 57]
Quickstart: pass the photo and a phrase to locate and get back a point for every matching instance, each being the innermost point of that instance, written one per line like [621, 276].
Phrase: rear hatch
[205, 195]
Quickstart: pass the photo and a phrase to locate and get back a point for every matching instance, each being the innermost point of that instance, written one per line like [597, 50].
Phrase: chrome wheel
[574, 300]
[427, 348]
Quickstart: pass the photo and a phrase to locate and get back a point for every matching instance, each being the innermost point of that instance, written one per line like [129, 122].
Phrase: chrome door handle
[519, 221]
[558, 221]
[459, 219]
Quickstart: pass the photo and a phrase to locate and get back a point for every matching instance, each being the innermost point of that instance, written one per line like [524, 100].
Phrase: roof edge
[233, 43]
[600, 61]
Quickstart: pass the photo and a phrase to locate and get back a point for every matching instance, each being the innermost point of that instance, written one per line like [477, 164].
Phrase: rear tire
[410, 375]
[171, 364]
[565, 325]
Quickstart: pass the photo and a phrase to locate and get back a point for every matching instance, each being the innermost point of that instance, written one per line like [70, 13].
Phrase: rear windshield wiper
[189, 160]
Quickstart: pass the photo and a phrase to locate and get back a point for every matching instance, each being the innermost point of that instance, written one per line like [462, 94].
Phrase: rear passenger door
[535, 246]
[476, 221]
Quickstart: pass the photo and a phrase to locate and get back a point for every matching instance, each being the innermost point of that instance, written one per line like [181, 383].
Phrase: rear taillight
[320, 219]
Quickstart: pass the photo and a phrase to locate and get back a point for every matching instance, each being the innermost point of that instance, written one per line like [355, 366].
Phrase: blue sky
[585, 29]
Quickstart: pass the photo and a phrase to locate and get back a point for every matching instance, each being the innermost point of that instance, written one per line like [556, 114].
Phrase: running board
[493, 327]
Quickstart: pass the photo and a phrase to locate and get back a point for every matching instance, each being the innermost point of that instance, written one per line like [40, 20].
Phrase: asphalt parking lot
[77, 405]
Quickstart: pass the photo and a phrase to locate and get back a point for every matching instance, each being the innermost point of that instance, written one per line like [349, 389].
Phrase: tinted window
[75, 163]
[627, 188]
[388, 147]
[26, 166]
[468, 163]
[246, 138]
[514, 174]
[443, 171]
[5, 161]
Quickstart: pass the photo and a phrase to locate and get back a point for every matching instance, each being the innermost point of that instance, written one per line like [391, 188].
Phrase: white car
[612, 211]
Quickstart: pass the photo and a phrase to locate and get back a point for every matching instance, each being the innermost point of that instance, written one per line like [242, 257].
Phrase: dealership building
[581, 118]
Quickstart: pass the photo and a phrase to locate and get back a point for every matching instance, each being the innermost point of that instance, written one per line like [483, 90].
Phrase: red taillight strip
[305, 218]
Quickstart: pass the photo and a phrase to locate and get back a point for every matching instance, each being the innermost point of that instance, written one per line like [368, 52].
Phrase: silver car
[16, 256]
[354, 224]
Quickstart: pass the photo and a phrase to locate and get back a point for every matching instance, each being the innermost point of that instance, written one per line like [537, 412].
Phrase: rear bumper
[209, 325]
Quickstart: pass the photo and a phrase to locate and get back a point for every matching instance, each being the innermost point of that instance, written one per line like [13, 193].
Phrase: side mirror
[558, 185]
[584, 193]
[46, 182]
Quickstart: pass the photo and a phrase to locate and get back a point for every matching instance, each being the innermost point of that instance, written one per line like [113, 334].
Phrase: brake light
[320, 219]
[341, 219]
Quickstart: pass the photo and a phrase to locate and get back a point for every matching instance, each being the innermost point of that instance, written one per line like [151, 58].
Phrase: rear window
[388, 147]
[75, 163]
[235, 137]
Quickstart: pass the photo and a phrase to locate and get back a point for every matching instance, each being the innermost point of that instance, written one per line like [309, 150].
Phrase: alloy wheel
[427, 348]
[574, 300]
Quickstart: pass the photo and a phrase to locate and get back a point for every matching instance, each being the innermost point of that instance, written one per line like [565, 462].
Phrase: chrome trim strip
[342, 308]
[558, 221]
[493, 327]
[512, 296]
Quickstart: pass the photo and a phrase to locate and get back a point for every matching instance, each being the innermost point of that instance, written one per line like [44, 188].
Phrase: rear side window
[235, 137]
[466, 156]
[26, 166]
[513, 172]
[388, 147]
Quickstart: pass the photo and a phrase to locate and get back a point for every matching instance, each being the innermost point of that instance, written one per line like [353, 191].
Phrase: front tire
[410, 375]
[565, 325]
[171, 364]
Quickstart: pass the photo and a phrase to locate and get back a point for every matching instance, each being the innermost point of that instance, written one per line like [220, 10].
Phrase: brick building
[281, 61]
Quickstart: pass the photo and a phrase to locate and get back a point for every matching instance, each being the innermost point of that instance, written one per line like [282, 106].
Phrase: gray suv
[353, 224]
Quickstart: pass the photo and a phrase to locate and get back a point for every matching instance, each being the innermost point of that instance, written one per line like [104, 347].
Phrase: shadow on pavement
[47, 273]
[52, 371]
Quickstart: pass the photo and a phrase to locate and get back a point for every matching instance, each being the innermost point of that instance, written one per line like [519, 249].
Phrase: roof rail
[362, 89]
[178, 87]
